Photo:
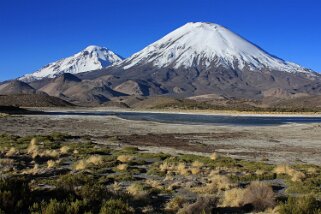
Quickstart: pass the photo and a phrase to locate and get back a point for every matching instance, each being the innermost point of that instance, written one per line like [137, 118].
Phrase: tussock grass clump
[64, 150]
[181, 169]
[12, 151]
[80, 165]
[32, 171]
[49, 153]
[312, 170]
[260, 195]
[260, 172]
[233, 198]
[122, 167]
[216, 183]
[295, 175]
[221, 182]
[154, 183]
[214, 156]
[196, 167]
[125, 158]
[52, 163]
[175, 185]
[34, 151]
[116, 187]
[92, 160]
[95, 160]
[195, 170]
[197, 164]
[33, 148]
[175, 204]
[138, 191]
[167, 167]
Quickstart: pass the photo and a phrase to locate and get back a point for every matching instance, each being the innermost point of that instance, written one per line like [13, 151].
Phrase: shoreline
[186, 112]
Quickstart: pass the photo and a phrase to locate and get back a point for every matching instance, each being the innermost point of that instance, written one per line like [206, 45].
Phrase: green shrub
[54, 207]
[130, 149]
[14, 195]
[117, 206]
[299, 205]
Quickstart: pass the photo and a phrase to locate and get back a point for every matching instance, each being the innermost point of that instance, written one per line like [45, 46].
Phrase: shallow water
[200, 119]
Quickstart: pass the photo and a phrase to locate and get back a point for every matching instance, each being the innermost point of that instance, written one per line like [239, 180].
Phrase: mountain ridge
[194, 60]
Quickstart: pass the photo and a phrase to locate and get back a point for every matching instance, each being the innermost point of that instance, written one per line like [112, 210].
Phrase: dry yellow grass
[49, 153]
[173, 186]
[260, 172]
[181, 169]
[137, 191]
[154, 183]
[95, 160]
[166, 167]
[12, 151]
[197, 164]
[175, 204]
[260, 195]
[195, 170]
[312, 170]
[295, 175]
[125, 158]
[168, 177]
[221, 182]
[116, 187]
[80, 165]
[64, 150]
[214, 156]
[33, 170]
[52, 163]
[33, 148]
[216, 183]
[92, 160]
[122, 167]
[233, 198]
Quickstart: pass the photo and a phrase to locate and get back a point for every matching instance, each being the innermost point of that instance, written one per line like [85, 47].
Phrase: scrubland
[60, 173]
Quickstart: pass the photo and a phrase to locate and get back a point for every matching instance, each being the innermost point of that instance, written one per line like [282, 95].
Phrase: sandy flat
[289, 143]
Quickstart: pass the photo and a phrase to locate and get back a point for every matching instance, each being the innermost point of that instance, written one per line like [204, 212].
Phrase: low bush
[299, 205]
[260, 195]
[116, 206]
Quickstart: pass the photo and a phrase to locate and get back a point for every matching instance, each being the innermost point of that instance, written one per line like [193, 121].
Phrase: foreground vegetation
[64, 174]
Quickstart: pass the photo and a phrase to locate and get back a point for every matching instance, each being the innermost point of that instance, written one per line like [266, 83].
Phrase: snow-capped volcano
[91, 58]
[208, 44]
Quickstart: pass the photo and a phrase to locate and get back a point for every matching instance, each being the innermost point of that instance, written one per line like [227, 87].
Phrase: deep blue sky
[36, 32]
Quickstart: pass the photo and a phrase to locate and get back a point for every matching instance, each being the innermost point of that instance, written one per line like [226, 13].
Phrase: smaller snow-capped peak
[208, 44]
[91, 58]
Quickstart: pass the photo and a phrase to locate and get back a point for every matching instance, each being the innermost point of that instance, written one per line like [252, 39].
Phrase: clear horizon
[35, 33]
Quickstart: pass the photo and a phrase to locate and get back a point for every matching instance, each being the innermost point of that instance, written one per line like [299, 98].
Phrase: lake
[197, 119]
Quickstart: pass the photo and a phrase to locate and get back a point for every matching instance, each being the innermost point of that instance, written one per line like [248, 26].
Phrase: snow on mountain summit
[208, 44]
[91, 58]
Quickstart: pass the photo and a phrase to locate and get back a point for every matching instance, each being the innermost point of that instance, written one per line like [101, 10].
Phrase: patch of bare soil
[189, 142]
